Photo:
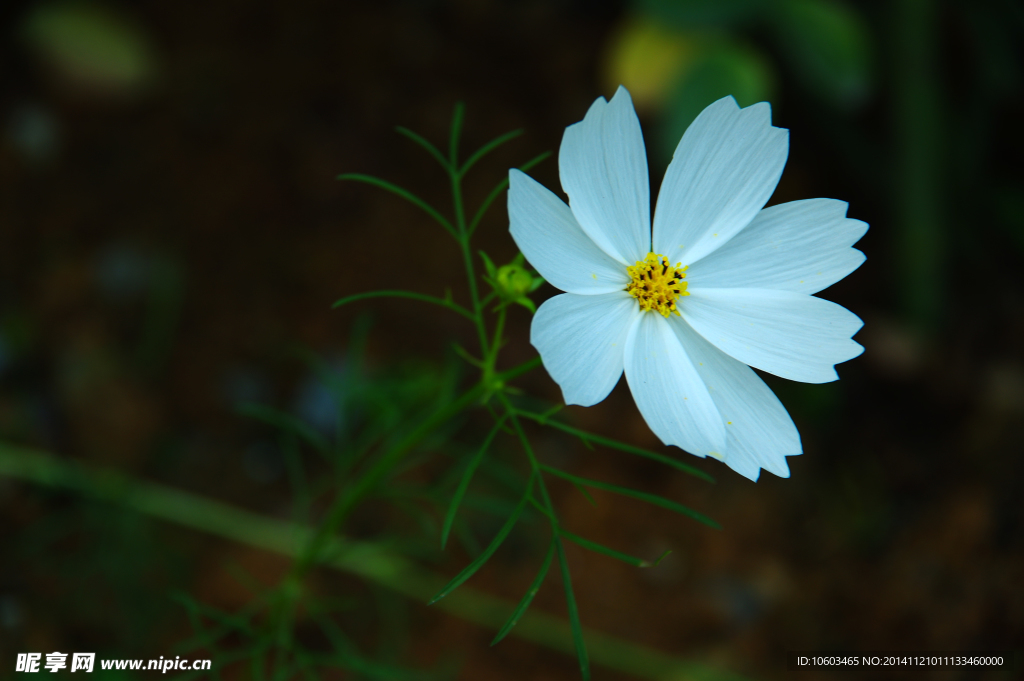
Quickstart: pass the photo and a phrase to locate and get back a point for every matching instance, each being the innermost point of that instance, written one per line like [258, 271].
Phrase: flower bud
[513, 282]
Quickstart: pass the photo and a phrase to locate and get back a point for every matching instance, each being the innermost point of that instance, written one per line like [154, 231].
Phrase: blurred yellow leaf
[649, 59]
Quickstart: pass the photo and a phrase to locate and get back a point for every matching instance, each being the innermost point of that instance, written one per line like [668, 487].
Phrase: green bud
[513, 281]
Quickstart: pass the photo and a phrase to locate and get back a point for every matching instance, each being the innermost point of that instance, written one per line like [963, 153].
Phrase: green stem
[460, 225]
[918, 189]
[467, 261]
[535, 466]
[576, 627]
[499, 329]
[362, 559]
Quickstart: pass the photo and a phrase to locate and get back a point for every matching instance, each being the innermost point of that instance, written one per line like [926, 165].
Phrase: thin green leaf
[658, 560]
[287, 423]
[426, 145]
[467, 476]
[545, 512]
[525, 367]
[488, 148]
[405, 194]
[453, 138]
[467, 356]
[524, 603]
[574, 615]
[470, 569]
[583, 490]
[500, 188]
[618, 555]
[635, 494]
[490, 410]
[544, 419]
[528, 304]
[411, 295]
[492, 271]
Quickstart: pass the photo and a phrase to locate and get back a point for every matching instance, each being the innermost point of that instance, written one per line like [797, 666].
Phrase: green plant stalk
[362, 559]
[576, 628]
[490, 381]
[460, 226]
[467, 260]
[917, 126]
[535, 466]
[499, 329]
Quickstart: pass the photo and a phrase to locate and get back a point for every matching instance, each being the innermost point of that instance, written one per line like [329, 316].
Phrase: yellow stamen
[656, 284]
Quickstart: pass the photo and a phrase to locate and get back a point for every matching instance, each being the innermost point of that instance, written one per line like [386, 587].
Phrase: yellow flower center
[656, 284]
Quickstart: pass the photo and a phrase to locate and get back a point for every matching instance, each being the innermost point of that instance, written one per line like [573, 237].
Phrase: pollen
[656, 285]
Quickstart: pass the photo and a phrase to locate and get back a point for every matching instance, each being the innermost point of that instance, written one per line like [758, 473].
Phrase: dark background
[172, 231]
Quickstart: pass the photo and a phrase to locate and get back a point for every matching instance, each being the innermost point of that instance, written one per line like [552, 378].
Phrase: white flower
[723, 283]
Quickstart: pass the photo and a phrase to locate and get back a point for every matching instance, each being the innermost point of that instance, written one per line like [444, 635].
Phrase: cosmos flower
[721, 285]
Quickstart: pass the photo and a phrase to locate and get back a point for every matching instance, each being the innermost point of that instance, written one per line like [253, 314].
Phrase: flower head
[721, 285]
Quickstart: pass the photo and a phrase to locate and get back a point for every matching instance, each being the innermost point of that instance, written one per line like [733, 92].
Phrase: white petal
[788, 334]
[603, 166]
[581, 340]
[724, 170]
[759, 432]
[549, 236]
[668, 390]
[802, 246]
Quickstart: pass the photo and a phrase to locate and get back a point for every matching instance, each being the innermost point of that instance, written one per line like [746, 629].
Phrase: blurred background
[173, 238]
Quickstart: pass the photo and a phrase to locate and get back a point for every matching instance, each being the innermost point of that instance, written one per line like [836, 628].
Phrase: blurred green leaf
[93, 47]
[828, 48]
[723, 68]
[288, 423]
[703, 13]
